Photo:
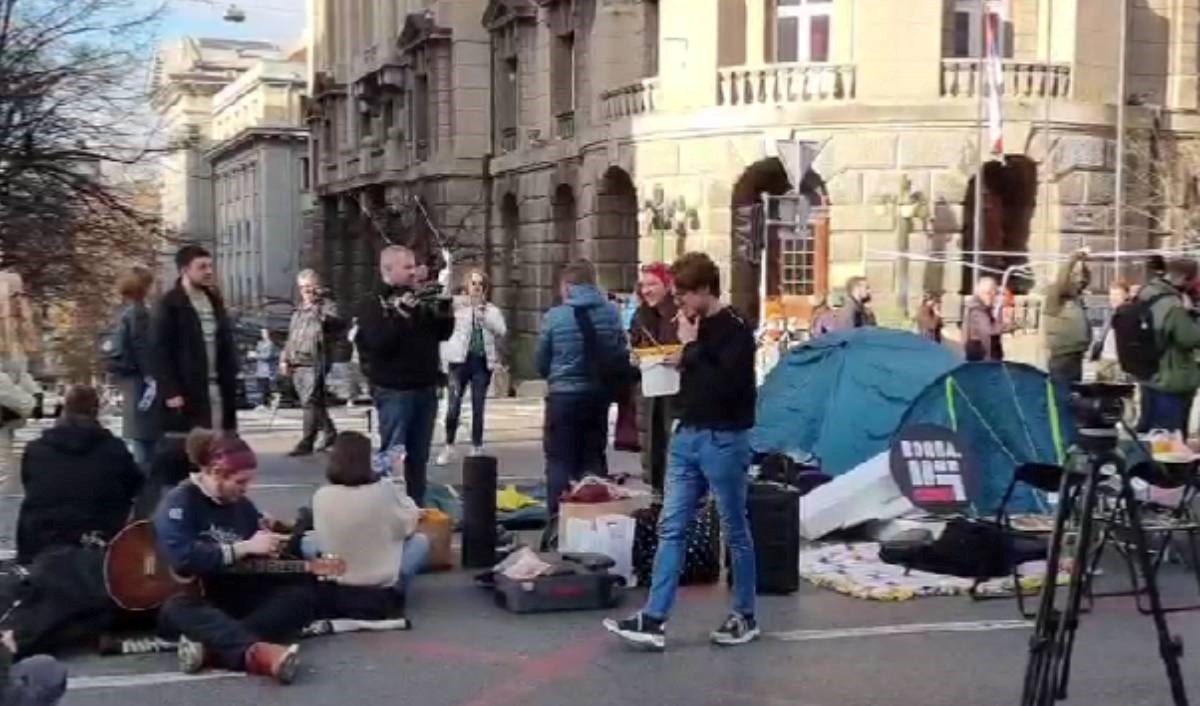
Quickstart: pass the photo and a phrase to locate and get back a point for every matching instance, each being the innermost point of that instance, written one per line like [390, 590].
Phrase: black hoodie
[79, 479]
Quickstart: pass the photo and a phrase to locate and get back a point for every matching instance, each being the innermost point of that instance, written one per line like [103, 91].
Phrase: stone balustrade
[633, 99]
[780, 84]
[1022, 79]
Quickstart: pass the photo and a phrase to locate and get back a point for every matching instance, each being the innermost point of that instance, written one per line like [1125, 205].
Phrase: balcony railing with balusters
[564, 125]
[1022, 79]
[634, 99]
[508, 139]
[777, 84]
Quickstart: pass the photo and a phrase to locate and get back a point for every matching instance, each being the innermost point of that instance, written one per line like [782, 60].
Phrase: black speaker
[479, 512]
[774, 512]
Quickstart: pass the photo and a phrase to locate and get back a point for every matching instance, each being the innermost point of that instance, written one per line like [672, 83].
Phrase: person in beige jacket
[366, 520]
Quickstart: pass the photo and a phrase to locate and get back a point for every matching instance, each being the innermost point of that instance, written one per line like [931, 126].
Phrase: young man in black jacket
[79, 480]
[399, 338]
[709, 452]
[195, 355]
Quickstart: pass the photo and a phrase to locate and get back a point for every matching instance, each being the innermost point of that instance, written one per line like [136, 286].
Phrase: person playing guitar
[203, 527]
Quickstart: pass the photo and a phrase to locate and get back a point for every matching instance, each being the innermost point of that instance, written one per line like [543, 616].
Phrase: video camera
[1099, 405]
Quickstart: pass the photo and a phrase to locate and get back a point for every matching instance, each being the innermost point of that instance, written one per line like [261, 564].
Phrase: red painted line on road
[559, 666]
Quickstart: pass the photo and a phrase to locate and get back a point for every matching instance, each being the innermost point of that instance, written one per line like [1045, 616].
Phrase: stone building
[187, 73]
[630, 130]
[260, 180]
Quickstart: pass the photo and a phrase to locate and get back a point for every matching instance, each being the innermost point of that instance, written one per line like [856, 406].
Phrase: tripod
[1050, 648]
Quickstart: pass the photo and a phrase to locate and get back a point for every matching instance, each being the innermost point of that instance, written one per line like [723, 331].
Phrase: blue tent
[1008, 414]
[841, 396]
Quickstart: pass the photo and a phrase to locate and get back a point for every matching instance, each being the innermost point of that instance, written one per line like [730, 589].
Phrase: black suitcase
[775, 526]
[702, 559]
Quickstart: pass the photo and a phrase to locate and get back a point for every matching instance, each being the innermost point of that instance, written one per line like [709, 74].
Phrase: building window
[305, 174]
[562, 79]
[797, 274]
[802, 30]
[967, 37]
[650, 37]
[420, 116]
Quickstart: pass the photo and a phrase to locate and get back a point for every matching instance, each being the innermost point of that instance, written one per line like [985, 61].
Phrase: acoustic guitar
[138, 578]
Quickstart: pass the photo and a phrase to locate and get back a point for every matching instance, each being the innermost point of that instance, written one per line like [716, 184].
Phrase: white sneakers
[476, 450]
[446, 456]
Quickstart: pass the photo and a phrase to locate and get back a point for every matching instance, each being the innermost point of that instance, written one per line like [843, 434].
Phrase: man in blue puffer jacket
[575, 436]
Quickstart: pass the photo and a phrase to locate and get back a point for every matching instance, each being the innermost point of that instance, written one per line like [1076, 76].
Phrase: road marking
[126, 681]
[910, 629]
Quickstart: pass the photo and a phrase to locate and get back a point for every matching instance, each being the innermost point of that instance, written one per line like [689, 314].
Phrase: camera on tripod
[1099, 405]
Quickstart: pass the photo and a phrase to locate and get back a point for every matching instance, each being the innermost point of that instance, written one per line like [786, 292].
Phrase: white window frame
[804, 13]
[975, 36]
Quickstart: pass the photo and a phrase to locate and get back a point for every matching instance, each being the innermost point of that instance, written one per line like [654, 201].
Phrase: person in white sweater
[368, 521]
[471, 355]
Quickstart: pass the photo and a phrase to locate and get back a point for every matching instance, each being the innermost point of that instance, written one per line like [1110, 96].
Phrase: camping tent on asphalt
[1008, 414]
[840, 397]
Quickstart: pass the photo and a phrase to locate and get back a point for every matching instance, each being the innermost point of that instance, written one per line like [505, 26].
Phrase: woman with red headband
[205, 525]
[654, 325]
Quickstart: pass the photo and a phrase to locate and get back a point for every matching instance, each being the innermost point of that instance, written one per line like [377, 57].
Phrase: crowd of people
[177, 370]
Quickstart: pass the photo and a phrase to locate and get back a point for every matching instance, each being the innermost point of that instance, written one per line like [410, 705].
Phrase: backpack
[116, 350]
[1138, 349]
[614, 372]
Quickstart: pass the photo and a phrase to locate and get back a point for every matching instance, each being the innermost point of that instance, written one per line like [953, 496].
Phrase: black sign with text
[934, 470]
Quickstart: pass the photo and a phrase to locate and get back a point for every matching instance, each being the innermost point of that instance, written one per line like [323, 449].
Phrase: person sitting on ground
[79, 480]
[40, 680]
[982, 331]
[856, 313]
[204, 526]
[1167, 397]
[370, 523]
[1068, 330]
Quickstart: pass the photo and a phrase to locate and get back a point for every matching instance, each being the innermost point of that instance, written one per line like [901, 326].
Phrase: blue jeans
[574, 438]
[473, 372]
[414, 557]
[1164, 410]
[406, 419]
[703, 459]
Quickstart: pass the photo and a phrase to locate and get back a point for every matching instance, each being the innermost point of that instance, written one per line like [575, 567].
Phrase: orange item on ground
[438, 526]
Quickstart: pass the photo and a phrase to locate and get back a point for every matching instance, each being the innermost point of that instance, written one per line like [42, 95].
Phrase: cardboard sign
[934, 470]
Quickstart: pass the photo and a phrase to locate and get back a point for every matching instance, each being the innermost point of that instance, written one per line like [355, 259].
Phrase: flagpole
[977, 228]
[1119, 197]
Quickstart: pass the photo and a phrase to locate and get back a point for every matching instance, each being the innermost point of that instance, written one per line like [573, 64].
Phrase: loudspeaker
[479, 512]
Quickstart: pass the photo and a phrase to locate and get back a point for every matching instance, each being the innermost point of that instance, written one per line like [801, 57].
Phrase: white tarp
[863, 494]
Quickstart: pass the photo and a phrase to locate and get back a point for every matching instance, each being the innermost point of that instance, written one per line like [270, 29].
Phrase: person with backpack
[1157, 339]
[580, 346]
[129, 355]
[1068, 330]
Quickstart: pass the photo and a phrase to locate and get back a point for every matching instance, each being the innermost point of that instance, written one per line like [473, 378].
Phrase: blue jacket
[196, 535]
[560, 344]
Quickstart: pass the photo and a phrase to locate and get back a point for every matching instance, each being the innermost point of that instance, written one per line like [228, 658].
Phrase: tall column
[756, 32]
[891, 69]
[688, 48]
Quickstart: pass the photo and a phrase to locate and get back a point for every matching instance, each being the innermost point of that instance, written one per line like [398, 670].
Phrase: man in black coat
[79, 480]
[195, 354]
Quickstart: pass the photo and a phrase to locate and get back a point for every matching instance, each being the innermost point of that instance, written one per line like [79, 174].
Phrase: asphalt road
[820, 649]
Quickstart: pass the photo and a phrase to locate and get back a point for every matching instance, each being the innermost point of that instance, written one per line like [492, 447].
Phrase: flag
[994, 78]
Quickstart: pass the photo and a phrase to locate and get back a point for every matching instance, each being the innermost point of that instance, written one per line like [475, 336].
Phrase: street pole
[1119, 199]
[981, 109]
[1047, 167]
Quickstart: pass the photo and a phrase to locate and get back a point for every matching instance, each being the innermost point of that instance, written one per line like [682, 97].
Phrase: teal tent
[1008, 414]
[841, 396]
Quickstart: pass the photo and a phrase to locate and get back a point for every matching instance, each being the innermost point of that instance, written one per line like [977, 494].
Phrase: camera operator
[306, 358]
[1167, 397]
[400, 330]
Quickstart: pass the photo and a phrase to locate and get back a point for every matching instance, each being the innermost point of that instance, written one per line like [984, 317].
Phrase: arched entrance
[797, 267]
[615, 247]
[1010, 196]
[566, 246]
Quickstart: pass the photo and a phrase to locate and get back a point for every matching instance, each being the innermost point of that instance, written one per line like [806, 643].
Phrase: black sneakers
[736, 630]
[640, 631]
